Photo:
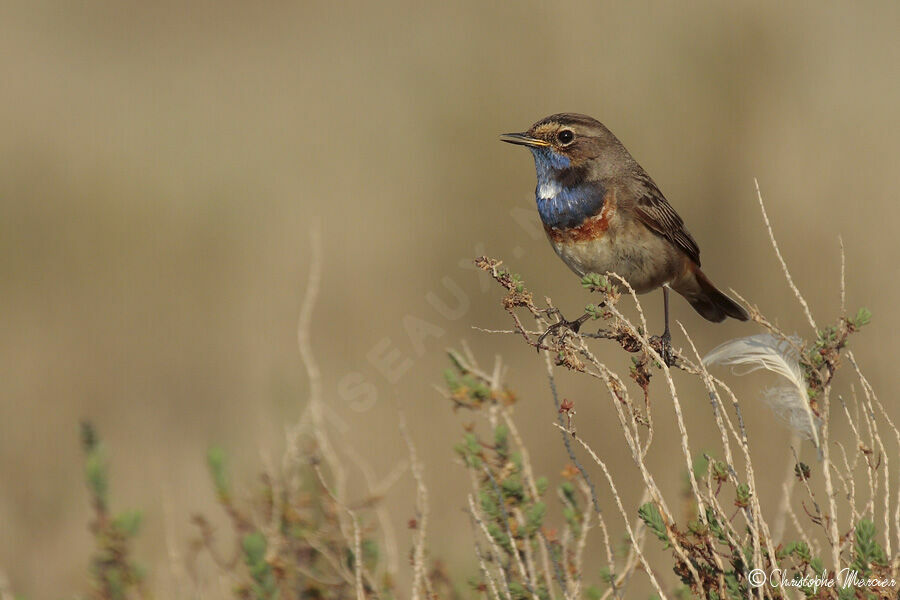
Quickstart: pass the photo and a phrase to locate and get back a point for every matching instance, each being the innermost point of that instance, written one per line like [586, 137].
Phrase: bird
[603, 213]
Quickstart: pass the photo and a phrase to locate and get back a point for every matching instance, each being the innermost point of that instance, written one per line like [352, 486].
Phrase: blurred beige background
[161, 165]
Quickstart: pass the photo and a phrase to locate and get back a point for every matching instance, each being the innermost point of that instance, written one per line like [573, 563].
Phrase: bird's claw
[663, 344]
[572, 326]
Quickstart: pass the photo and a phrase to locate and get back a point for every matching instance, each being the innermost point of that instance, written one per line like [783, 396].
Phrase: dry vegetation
[301, 536]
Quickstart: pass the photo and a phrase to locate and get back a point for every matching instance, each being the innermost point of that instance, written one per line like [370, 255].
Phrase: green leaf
[800, 550]
[501, 440]
[512, 488]
[595, 282]
[489, 504]
[254, 545]
[128, 522]
[817, 565]
[499, 536]
[451, 379]
[568, 492]
[573, 519]
[595, 311]
[865, 549]
[96, 473]
[743, 495]
[370, 553]
[715, 526]
[847, 593]
[517, 590]
[732, 587]
[697, 527]
[651, 517]
[701, 462]
[264, 586]
[517, 282]
[534, 517]
[720, 471]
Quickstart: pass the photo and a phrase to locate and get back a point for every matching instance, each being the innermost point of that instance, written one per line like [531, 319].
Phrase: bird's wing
[654, 211]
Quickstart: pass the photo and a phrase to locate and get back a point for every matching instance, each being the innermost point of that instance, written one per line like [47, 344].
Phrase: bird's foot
[663, 345]
[572, 326]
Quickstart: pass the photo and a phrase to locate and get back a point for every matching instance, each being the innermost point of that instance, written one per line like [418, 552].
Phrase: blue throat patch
[566, 207]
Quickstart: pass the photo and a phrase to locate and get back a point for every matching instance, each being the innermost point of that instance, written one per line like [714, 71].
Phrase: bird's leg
[666, 338]
[572, 325]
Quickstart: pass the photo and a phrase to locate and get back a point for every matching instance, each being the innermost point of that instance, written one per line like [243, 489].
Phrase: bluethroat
[602, 212]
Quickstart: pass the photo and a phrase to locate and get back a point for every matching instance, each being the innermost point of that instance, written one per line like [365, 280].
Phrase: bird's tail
[706, 298]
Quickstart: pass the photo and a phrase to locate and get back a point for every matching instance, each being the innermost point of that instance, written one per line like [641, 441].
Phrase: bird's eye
[565, 136]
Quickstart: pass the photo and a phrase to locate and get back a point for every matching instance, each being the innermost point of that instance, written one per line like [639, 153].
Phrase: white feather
[789, 402]
[549, 190]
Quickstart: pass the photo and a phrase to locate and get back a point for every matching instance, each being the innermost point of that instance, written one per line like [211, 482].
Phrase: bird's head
[569, 140]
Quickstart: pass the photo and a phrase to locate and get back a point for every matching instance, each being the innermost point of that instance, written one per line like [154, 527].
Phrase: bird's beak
[521, 139]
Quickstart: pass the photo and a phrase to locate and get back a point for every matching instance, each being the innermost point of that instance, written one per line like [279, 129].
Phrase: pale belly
[645, 261]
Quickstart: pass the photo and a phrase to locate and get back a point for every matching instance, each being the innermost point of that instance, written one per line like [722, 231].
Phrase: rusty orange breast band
[592, 228]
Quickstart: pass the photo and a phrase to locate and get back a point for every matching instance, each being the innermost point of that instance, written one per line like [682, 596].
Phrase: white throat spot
[548, 191]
